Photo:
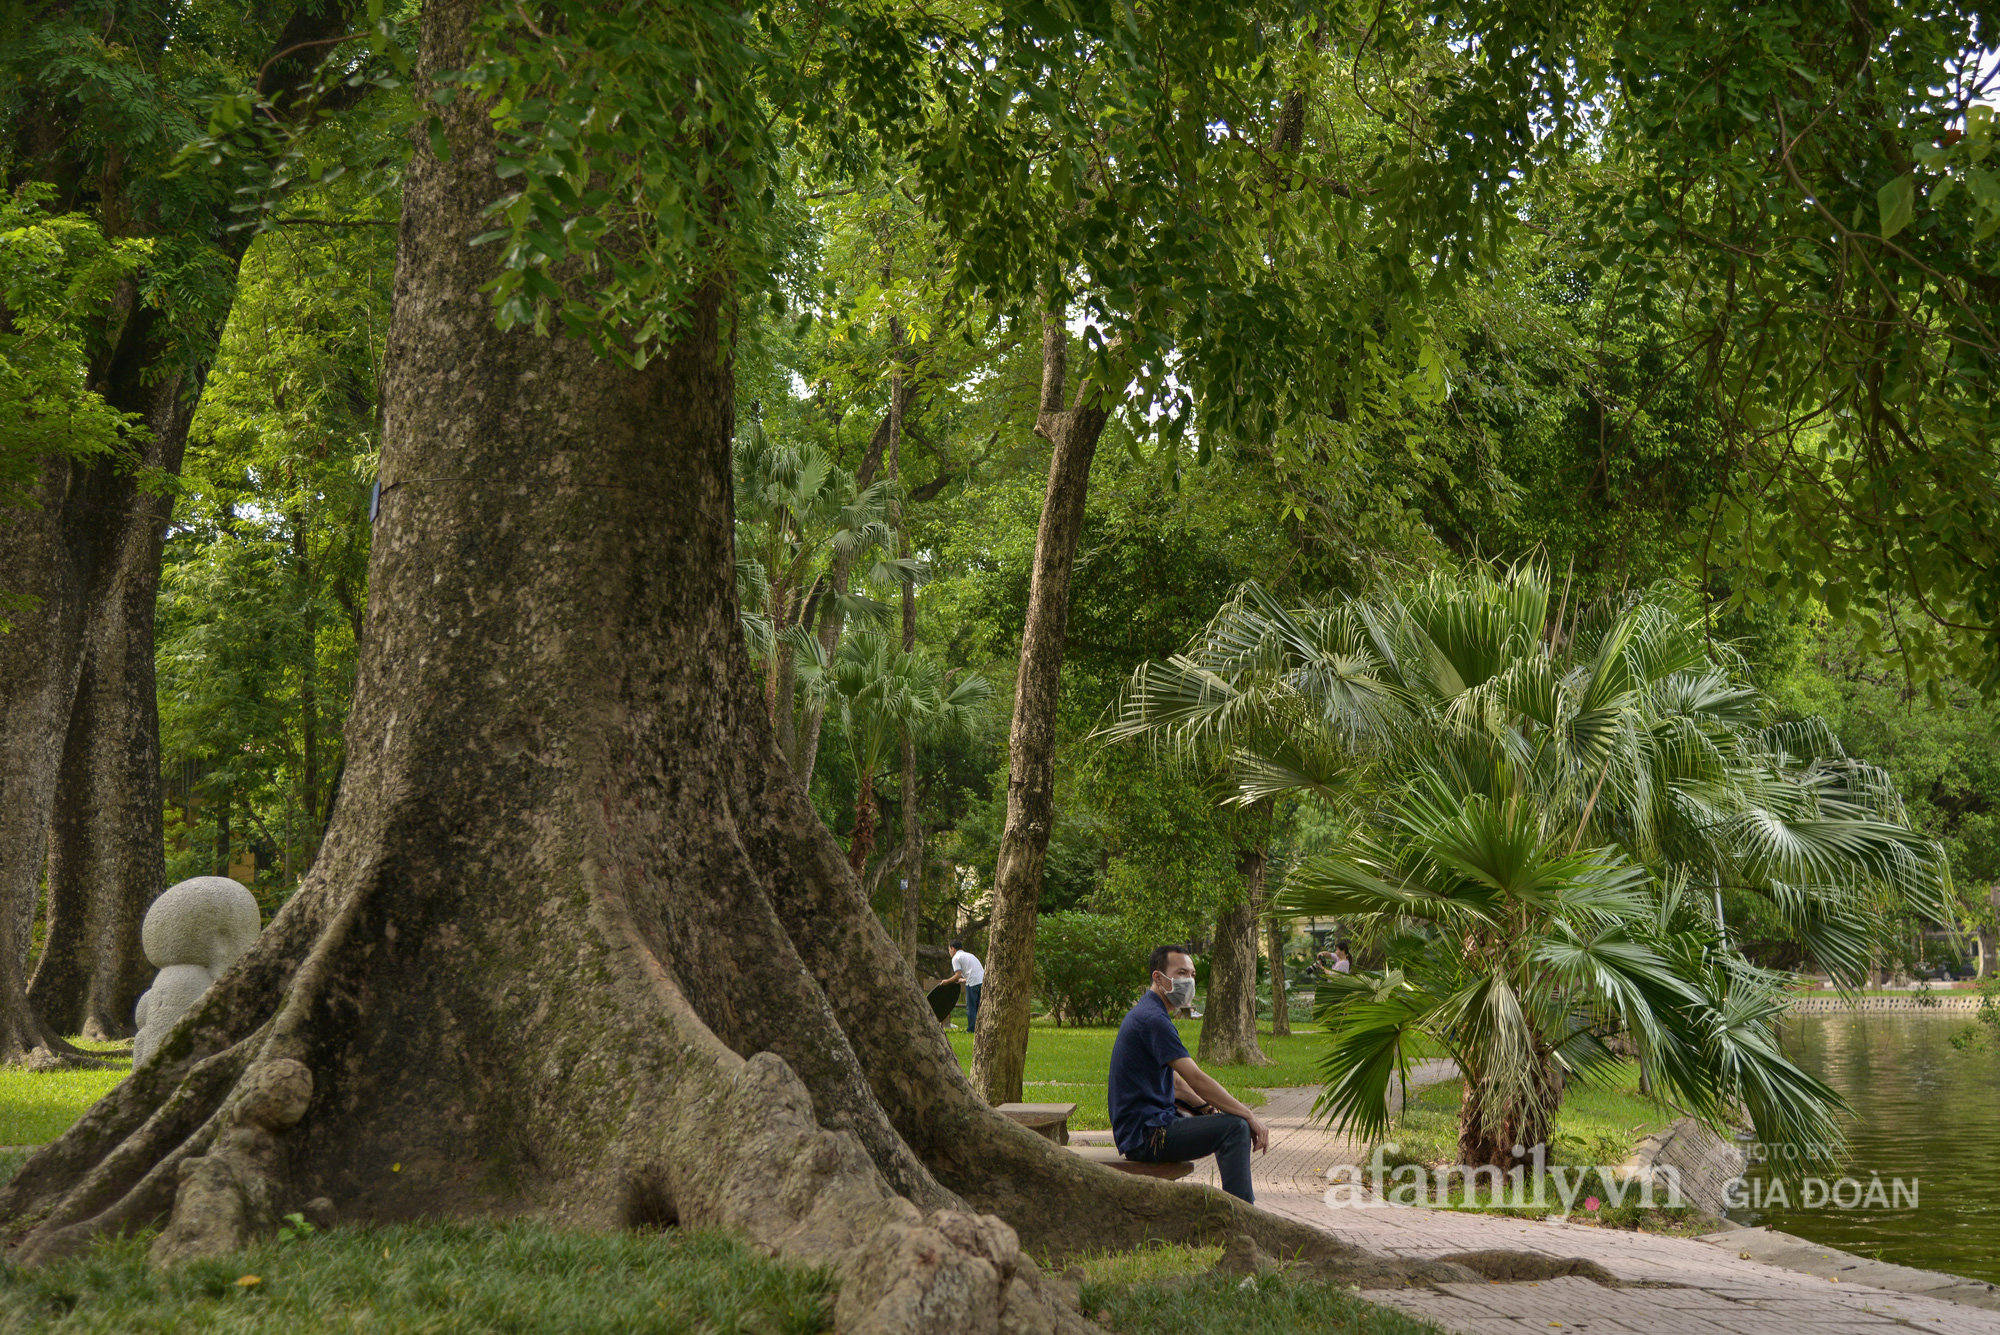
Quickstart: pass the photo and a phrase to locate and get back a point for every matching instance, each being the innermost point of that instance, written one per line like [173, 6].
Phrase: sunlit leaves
[1897, 204]
[58, 272]
[1801, 190]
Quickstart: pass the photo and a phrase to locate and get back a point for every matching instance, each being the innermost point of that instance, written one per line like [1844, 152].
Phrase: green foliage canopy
[1089, 967]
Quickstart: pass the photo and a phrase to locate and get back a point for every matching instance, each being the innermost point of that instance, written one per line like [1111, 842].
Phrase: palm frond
[1370, 1023]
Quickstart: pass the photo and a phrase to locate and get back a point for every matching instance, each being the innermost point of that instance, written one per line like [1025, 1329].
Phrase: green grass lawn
[1067, 1066]
[35, 1108]
[531, 1278]
[437, 1277]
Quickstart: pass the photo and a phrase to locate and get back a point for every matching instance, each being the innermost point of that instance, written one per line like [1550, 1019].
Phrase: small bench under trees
[1051, 1121]
[1109, 1156]
[1047, 1120]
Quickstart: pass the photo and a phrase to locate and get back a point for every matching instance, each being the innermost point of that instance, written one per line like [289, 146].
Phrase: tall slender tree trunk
[1001, 1050]
[912, 907]
[902, 395]
[307, 838]
[1229, 1023]
[784, 701]
[861, 843]
[1989, 938]
[224, 836]
[913, 830]
[1274, 946]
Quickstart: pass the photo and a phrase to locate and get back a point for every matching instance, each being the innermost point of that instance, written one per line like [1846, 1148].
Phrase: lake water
[1923, 1109]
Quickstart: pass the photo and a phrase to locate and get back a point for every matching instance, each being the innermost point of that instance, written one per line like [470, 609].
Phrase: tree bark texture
[1001, 1051]
[1229, 1023]
[106, 842]
[577, 945]
[37, 683]
[1489, 1135]
[1274, 945]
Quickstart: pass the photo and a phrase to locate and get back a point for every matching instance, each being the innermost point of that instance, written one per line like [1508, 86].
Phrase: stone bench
[1047, 1120]
[1109, 1156]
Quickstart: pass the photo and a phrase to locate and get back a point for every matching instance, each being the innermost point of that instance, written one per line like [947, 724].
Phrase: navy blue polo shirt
[1142, 1074]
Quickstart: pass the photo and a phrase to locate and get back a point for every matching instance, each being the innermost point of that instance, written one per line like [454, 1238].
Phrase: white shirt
[1343, 966]
[967, 963]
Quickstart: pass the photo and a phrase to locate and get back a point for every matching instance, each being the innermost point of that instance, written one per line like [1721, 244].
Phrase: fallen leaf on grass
[247, 1281]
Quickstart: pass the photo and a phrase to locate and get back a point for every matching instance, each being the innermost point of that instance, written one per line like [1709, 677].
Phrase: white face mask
[1180, 992]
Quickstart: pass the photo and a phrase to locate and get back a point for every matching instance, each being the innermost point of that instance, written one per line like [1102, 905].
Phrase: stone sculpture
[192, 933]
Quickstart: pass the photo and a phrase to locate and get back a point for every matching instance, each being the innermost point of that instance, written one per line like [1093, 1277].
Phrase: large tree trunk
[107, 838]
[38, 660]
[1229, 1023]
[577, 945]
[1001, 1051]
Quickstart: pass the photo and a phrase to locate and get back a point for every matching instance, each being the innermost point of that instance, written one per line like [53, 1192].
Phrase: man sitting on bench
[1150, 1069]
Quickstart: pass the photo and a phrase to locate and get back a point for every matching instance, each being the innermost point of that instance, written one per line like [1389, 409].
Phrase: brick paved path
[1717, 1293]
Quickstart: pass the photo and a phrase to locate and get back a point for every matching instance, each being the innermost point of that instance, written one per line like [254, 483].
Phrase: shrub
[1089, 967]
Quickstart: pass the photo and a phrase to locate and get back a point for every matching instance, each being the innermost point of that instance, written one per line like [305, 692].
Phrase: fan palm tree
[797, 511]
[1609, 752]
[1521, 954]
[879, 693]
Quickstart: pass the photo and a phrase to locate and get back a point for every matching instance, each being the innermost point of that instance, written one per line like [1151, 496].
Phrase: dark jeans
[972, 1006]
[1224, 1135]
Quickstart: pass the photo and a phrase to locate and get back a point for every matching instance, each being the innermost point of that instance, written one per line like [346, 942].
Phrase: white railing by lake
[1833, 1003]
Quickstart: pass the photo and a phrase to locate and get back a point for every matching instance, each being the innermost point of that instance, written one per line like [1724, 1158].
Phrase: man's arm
[1203, 1089]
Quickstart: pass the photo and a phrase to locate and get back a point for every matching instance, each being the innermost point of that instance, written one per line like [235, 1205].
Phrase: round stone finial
[205, 920]
[192, 933]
